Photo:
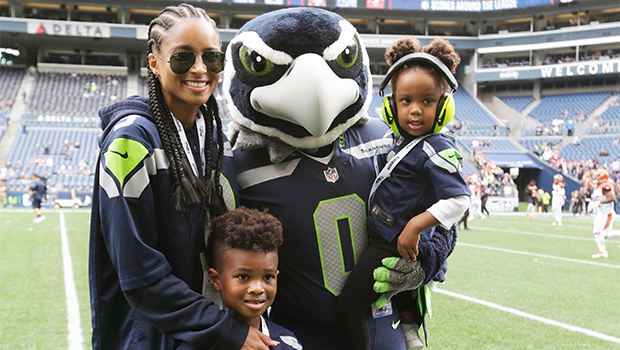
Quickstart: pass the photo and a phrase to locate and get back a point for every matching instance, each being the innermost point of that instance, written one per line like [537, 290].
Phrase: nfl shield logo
[331, 175]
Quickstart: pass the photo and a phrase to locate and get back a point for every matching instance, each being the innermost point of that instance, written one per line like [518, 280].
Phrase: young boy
[243, 260]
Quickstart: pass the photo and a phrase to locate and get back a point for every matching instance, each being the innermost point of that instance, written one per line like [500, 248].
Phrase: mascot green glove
[399, 275]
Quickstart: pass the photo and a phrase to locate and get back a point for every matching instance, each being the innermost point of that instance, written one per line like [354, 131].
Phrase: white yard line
[544, 320]
[540, 255]
[591, 239]
[74, 325]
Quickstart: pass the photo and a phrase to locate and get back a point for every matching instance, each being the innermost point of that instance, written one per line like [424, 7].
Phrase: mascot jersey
[322, 206]
[140, 244]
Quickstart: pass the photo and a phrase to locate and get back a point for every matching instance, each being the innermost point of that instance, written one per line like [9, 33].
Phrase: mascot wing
[299, 75]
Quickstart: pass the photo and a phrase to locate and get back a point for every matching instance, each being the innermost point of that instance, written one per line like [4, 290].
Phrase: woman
[158, 179]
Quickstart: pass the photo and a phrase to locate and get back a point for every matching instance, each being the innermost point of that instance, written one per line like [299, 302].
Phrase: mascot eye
[348, 56]
[254, 62]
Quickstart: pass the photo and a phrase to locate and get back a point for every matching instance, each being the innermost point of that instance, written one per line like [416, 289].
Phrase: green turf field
[512, 284]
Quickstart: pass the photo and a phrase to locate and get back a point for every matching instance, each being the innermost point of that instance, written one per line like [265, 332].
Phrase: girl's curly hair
[440, 48]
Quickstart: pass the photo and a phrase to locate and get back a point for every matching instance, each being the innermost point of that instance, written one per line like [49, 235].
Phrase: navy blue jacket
[145, 270]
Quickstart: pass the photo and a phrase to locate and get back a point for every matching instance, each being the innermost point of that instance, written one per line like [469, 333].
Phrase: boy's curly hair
[244, 228]
[440, 48]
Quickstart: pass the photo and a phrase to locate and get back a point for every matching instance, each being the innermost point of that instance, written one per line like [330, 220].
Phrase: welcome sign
[575, 69]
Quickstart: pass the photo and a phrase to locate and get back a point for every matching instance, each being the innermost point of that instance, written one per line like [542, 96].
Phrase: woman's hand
[258, 341]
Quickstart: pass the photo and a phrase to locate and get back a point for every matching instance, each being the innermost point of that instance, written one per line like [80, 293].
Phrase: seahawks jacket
[145, 268]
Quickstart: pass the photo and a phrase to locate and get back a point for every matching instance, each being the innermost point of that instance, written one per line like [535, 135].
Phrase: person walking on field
[603, 196]
[37, 193]
[558, 198]
[532, 191]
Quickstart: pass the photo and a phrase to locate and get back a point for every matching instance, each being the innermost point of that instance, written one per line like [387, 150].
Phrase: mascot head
[299, 74]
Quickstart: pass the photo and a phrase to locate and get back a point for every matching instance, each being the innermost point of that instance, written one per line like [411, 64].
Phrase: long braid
[220, 139]
[187, 189]
[217, 205]
[181, 195]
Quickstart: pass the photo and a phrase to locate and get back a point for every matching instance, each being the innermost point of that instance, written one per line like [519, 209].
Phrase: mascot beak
[309, 94]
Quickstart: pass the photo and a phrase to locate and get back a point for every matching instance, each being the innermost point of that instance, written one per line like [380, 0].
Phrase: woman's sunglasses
[182, 61]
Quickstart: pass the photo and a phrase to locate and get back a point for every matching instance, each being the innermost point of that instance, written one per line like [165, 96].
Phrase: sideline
[540, 255]
[74, 326]
[569, 327]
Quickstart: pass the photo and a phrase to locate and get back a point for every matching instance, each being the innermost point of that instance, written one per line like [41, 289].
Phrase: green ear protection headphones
[445, 105]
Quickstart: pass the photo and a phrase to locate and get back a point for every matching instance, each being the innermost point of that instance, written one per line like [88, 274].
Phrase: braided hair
[187, 188]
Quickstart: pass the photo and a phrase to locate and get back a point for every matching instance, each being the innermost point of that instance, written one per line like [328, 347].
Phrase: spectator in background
[576, 140]
[615, 166]
[474, 145]
[546, 197]
[539, 196]
[569, 127]
[3, 187]
[539, 129]
[24, 130]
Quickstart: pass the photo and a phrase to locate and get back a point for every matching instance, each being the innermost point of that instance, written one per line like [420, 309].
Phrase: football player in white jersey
[558, 198]
[603, 196]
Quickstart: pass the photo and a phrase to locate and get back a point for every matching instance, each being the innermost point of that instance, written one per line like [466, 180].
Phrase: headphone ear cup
[445, 111]
[389, 114]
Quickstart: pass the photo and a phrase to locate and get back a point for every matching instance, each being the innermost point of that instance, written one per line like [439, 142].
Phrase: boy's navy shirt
[415, 184]
[286, 338]
[140, 246]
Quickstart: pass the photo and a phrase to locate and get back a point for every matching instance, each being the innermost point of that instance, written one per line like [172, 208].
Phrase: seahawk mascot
[298, 86]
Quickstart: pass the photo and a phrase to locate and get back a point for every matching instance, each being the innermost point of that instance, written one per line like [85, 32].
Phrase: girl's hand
[408, 243]
[410, 237]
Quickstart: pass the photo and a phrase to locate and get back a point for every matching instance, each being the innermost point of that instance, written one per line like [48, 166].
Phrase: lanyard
[200, 125]
[387, 169]
[263, 327]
